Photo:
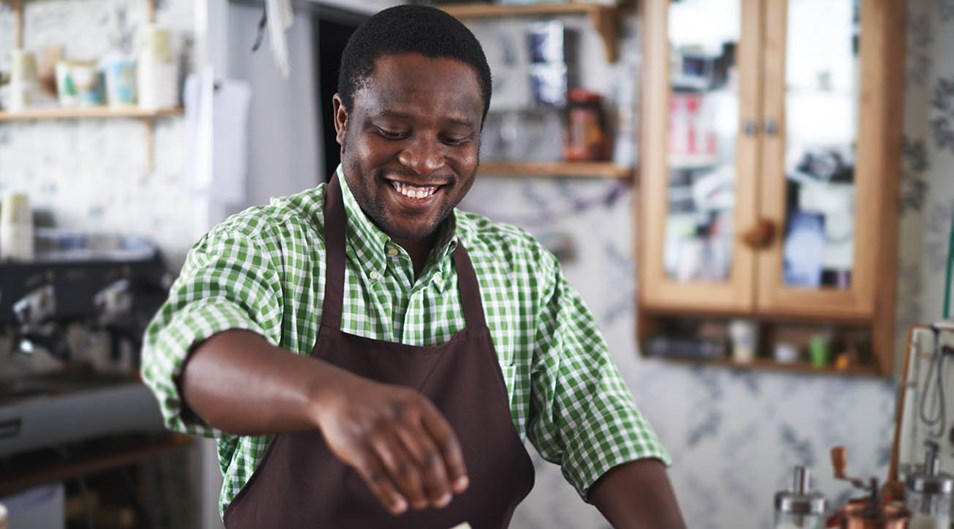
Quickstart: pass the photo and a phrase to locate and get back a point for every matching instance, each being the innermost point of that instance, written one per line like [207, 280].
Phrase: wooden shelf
[761, 364]
[605, 19]
[24, 471]
[100, 112]
[566, 169]
[88, 112]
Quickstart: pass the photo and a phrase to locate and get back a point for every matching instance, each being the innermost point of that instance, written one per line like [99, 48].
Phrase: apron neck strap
[335, 223]
[469, 289]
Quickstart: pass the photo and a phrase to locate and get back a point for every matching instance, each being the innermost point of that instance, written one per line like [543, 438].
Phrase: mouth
[414, 192]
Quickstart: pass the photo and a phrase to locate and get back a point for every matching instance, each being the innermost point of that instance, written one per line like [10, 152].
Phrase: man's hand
[393, 436]
[396, 439]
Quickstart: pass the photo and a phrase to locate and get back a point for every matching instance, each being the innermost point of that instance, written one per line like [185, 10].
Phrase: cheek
[359, 151]
[372, 150]
[467, 161]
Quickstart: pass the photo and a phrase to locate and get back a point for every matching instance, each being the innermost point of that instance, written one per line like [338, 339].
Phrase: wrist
[322, 390]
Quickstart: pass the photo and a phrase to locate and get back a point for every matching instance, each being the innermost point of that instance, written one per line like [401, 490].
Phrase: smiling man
[368, 356]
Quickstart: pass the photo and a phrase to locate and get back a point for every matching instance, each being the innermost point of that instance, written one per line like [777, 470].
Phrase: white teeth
[414, 191]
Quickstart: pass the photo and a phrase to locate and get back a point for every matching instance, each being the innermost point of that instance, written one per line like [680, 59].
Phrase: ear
[341, 118]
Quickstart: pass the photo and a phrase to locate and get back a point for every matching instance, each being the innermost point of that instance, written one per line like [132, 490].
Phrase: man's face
[409, 145]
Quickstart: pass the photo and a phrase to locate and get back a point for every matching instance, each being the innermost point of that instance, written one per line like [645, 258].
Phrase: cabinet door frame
[656, 290]
[876, 172]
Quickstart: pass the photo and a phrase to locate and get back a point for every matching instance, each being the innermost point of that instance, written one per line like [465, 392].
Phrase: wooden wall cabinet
[770, 151]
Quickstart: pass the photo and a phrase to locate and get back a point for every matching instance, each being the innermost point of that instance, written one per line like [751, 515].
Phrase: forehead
[412, 79]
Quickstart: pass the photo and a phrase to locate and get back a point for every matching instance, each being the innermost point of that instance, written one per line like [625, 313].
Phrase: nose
[423, 155]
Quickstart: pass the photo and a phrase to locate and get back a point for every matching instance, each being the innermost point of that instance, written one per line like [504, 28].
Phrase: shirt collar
[370, 245]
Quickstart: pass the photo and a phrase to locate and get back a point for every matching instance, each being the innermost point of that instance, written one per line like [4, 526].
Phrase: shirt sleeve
[583, 415]
[227, 282]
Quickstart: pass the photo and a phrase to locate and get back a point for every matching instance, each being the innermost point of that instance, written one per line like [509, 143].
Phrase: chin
[411, 234]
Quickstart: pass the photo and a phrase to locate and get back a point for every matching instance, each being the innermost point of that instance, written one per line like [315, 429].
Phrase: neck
[419, 250]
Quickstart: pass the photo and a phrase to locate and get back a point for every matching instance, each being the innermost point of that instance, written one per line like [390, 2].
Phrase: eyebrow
[461, 122]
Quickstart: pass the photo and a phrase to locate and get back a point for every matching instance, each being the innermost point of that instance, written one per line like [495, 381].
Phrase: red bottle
[586, 138]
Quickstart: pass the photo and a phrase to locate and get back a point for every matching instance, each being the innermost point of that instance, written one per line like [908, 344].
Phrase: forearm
[637, 495]
[393, 436]
[238, 382]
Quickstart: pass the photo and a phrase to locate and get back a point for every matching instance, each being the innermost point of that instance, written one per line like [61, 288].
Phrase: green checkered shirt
[263, 270]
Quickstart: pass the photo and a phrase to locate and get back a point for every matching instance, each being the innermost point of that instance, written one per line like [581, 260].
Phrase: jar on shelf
[586, 135]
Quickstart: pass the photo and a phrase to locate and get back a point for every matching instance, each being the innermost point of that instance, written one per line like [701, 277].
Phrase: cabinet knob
[760, 235]
[771, 127]
[750, 127]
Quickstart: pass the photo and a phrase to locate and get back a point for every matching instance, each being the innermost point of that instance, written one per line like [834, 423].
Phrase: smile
[410, 191]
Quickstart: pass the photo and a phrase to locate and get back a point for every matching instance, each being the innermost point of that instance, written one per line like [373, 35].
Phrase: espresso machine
[71, 325]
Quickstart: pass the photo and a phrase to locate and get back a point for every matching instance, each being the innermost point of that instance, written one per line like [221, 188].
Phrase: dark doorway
[333, 28]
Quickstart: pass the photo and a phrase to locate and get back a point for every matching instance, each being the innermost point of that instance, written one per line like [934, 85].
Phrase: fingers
[427, 459]
[400, 468]
[414, 460]
[448, 446]
[376, 477]
[399, 443]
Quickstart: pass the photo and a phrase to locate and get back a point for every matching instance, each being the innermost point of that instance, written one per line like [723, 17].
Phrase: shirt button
[374, 276]
[392, 252]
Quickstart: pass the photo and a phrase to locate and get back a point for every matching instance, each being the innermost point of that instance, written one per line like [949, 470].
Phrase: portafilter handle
[35, 307]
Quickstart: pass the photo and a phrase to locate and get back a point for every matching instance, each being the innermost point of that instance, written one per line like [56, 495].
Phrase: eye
[456, 141]
[390, 134]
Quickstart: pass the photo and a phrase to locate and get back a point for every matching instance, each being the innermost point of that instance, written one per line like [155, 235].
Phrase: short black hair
[409, 29]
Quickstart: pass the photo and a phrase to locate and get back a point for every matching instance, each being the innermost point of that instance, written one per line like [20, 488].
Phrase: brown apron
[300, 484]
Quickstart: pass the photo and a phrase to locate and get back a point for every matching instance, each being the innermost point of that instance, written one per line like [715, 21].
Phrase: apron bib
[300, 484]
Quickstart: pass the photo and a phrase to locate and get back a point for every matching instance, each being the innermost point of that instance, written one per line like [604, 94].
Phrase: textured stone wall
[92, 174]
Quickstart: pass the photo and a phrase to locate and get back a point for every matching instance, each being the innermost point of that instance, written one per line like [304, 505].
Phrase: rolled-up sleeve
[227, 282]
[583, 415]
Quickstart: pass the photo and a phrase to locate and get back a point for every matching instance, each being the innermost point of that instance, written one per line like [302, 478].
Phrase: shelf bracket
[150, 124]
[17, 24]
[607, 25]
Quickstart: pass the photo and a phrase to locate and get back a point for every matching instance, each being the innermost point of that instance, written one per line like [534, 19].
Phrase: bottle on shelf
[586, 137]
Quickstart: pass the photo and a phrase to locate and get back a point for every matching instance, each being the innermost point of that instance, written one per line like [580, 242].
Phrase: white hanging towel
[217, 123]
[280, 18]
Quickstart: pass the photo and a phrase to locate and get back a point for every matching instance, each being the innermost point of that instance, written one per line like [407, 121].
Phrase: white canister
[23, 80]
[120, 77]
[78, 83]
[88, 81]
[745, 339]
[16, 227]
[157, 72]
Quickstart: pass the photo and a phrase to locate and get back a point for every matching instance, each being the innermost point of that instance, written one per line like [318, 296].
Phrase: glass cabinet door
[812, 170]
[698, 174]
